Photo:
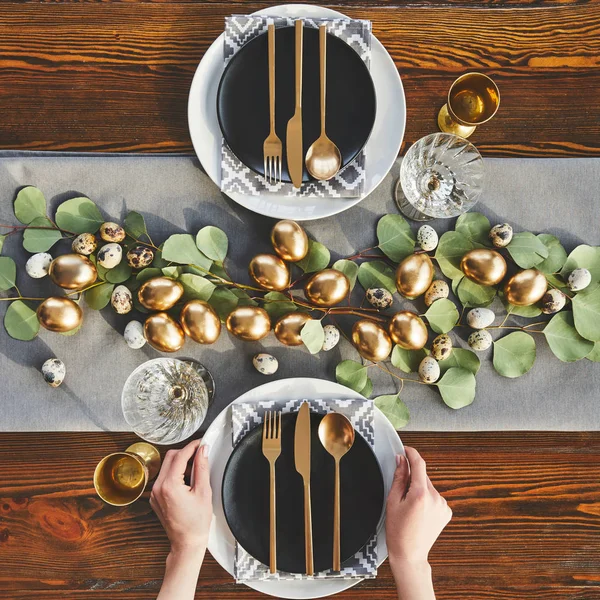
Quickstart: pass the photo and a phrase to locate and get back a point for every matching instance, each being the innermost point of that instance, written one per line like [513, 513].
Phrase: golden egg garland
[408, 330]
[163, 333]
[248, 323]
[160, 293]
[59, 314]
[72, 271]
[200, 322]
[526, 287]
[327, 288]
[483, 266]
[371, 340]
[288, 328]
[289, 240]
[414, 275]
[269, 272]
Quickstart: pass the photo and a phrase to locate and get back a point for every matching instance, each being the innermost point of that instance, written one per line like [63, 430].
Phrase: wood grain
[115, 76]
[526, 521]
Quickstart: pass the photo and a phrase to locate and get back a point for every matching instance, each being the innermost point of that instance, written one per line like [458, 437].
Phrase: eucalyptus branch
[12, 299]
[402, 379]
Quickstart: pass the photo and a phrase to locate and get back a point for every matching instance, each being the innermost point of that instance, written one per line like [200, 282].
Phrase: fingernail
[398, 459]
[205, 450]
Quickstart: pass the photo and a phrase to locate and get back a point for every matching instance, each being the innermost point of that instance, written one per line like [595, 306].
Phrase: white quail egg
[429, 370]
[110, 255]
[553, 301]
[332, 337]
[112, 232]
[134, 335]
[54, 372]
[140, 257]
[501, 235]
[265, 363]
[480, 318]
[480, 340]
[84, 243]
[438, 289]
[579, 279]
[121, 300]
[379, 297]
[37, 265]
[427, 238]
[441, 347]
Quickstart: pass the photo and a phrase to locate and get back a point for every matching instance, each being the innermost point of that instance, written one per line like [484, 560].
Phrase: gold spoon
[337, 436]
[323, 159]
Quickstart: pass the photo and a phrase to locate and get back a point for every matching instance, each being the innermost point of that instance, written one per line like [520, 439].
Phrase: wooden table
[114, 76]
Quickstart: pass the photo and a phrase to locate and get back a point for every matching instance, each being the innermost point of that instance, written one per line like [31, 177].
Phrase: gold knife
[302, 458]
[295, 155]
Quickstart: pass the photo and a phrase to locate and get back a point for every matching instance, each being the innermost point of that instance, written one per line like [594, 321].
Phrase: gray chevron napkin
[248, 415]
[237, 177]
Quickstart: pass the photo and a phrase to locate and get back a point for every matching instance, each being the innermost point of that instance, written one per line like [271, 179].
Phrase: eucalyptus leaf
[586, 312]
[442, 315]
[514, 354]
[556, 281]
[368, 389]
[172, 272]
[29, 204]
[557, 255]
[2, 240]
[277, 304]
[594, 355]
[563, 339]
[181, 248]
[317, 258]
[223, 300]
[216, 269]
[98, 297]
[8, 273]
[213, 242]
[20, 321]
[313, 335]
[243, 297]
[457, 387]
[135, 225]
[376, 273]
[527, 250]
[459, 357]
[394, 409]
[407, 360]
[148, 273]
[452, 246]
[474, 226]
[79, 215]
[474, 294]
[159, 262]
[349, 268]
[395, 236]
[520, 311]
[119, 274]
[196, 287]
[351, 374]
[40, 240]
[586, 257]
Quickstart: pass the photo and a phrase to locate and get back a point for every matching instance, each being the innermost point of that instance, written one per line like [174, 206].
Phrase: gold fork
[272, 149]
[271, 447]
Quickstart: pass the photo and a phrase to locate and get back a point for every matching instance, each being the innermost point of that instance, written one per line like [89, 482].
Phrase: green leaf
[29, 204]
[586, 312]
[395, 236]
[172, 272]
[317, 258]
[121, 273]
[452, 246]
[277, 305]
[557, 255]
[148, 273]
[407, 360]
[394, 409]
[223, 301]
[213, 242]
[527, 250]
[159, 262]
[457, 387]
[135, 225]
[216, 269]
[196, 287]
[520, 311]
[586, 257]
[442, 315]
[465, 359]
[514, 354]
[368, 389]
[40, 240]
[348, 267]
[563, 339]
[181, 248]
[313, 335]
[351, 374]
[377, 274]
[473, 294]
[243, 298]
[474, 226]
[79, 215]
[2, 240]
[98, 297]
[72, 332]
[594, 355]
[8, 273]
[21, 322]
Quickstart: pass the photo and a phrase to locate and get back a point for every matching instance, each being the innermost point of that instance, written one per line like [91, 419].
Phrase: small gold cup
[121, 478]
[473, 99]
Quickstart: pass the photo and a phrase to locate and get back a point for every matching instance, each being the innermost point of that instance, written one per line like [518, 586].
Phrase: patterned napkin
[245, 417]
[237, 177]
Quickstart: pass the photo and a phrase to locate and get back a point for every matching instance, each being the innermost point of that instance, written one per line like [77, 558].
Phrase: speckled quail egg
[427, 238]
[37, 265]
[265, 363]
[438, 289]
[501, 235]
[84, 243]
[134, 335]
[121, 300]
[579, 279]
[480, 318]
[379, 297]
[429, 370]
[54, 371]
[332, 337]
[552, 301]
[109, 256]
[441, 347]
[112, 232]
[140, 257]
[480, 340]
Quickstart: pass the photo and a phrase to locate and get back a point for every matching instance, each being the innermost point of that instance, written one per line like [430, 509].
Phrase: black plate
[243, 97]
[246, 498]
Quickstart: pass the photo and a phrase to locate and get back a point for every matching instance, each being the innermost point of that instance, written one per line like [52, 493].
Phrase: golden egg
[200, 322]
[289, 240]
[160, 293]
[270, 272]
[526, 287]
[414, 275]
[371, 340]
[59, 314]
[163, 333]
[72, 271]
[249, 323]
[327, 288]
[287, 329]
[486, 267]
[408, 330]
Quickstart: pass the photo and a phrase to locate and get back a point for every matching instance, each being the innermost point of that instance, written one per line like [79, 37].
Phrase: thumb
[401, 478]
[201, 472]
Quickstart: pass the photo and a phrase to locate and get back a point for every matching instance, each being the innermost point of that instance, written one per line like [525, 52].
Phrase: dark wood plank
[86, 77]
[526, 521]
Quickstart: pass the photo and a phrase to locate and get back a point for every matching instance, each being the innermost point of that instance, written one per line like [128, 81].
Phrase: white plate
[221, 543]
[382, 148]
